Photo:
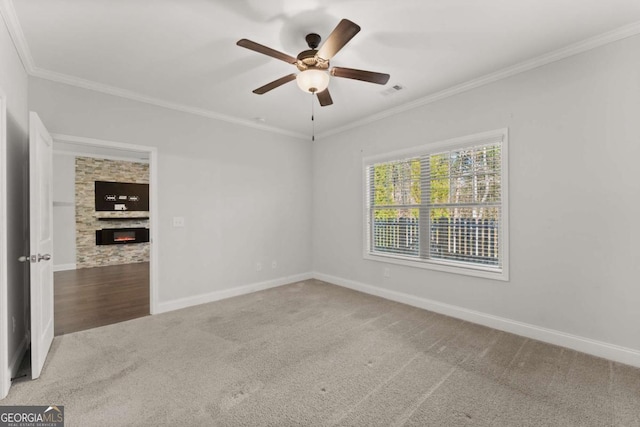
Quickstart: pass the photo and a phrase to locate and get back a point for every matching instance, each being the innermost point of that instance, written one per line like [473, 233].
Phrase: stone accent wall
[88, 254]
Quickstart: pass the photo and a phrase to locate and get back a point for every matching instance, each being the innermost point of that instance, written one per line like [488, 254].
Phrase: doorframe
[5, 375]
[153, 199]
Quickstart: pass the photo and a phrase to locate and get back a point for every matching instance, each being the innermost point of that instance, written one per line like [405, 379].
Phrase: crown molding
[125, 151]
[83, 140]
[557, 55]
[98, 156]
[8, 13]
[135, 96]
[15, 30]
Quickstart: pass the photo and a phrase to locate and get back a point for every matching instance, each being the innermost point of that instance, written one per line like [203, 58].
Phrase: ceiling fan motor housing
[308, 59]
[313, 40]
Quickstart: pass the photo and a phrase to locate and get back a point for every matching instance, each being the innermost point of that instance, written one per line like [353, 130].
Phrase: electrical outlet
[178, 221]
[258, 266]
[274, 264]
[387, 272]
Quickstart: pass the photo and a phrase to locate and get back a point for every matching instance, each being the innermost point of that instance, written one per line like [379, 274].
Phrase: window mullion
[370, 201]
[425, 202]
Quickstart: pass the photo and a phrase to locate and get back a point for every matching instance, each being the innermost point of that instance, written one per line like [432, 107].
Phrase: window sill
[502, 275]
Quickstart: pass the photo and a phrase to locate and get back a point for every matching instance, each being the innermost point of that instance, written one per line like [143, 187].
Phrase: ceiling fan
[313, 64]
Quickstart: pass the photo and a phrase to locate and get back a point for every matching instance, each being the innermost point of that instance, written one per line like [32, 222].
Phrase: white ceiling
[182, 53]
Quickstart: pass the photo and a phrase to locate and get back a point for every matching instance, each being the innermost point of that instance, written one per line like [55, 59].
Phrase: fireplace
[121, 236]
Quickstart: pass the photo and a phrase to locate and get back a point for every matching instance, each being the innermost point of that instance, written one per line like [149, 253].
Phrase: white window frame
[498, 135]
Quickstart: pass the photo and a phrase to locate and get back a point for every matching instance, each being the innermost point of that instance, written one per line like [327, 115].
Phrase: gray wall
[574, 205]
[13, 81]
[244, 193]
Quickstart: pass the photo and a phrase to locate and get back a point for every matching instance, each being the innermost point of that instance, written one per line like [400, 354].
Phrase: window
[441, 206]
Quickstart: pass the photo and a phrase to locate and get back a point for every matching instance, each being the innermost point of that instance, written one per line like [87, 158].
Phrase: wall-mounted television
[121, 196]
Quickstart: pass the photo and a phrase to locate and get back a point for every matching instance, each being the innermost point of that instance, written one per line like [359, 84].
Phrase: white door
[41, 242]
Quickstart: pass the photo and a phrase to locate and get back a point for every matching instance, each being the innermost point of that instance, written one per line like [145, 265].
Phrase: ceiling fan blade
[266, 51]
[340, 36]
[274, 84]
[325, 98]
[365, 76]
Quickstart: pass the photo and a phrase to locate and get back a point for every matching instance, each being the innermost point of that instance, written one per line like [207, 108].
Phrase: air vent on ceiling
[392, 90]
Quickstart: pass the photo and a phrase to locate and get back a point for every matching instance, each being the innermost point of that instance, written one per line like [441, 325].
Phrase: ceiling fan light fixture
[313, 80]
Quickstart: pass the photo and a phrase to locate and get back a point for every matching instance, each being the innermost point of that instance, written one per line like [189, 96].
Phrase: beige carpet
[311, 354]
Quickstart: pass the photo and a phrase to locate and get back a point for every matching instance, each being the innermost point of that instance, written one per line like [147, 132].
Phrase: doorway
[97, 285]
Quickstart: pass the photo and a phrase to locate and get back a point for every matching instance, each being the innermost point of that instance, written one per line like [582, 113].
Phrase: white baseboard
[64, 267]
[605, 350]
[16, 359]
[177, 304]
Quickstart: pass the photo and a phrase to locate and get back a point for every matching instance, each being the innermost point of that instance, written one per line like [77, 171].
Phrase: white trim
[81, 140]
[556, 55]
[17, 357]
[153, 196]
[475, 271]
[495, 135]
[229, 293]
[79, 153]
[154, 237]
[602, 349]
[5, 375]
[488, 137]
[64, 267]
[17, 35]
[505, 211]
[135, 96]
[12, 23]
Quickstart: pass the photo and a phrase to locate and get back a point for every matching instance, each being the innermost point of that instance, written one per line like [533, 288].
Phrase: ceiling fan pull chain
[313, 120]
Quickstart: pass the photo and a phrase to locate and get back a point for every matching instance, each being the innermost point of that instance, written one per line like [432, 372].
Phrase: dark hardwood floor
[92, 297]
